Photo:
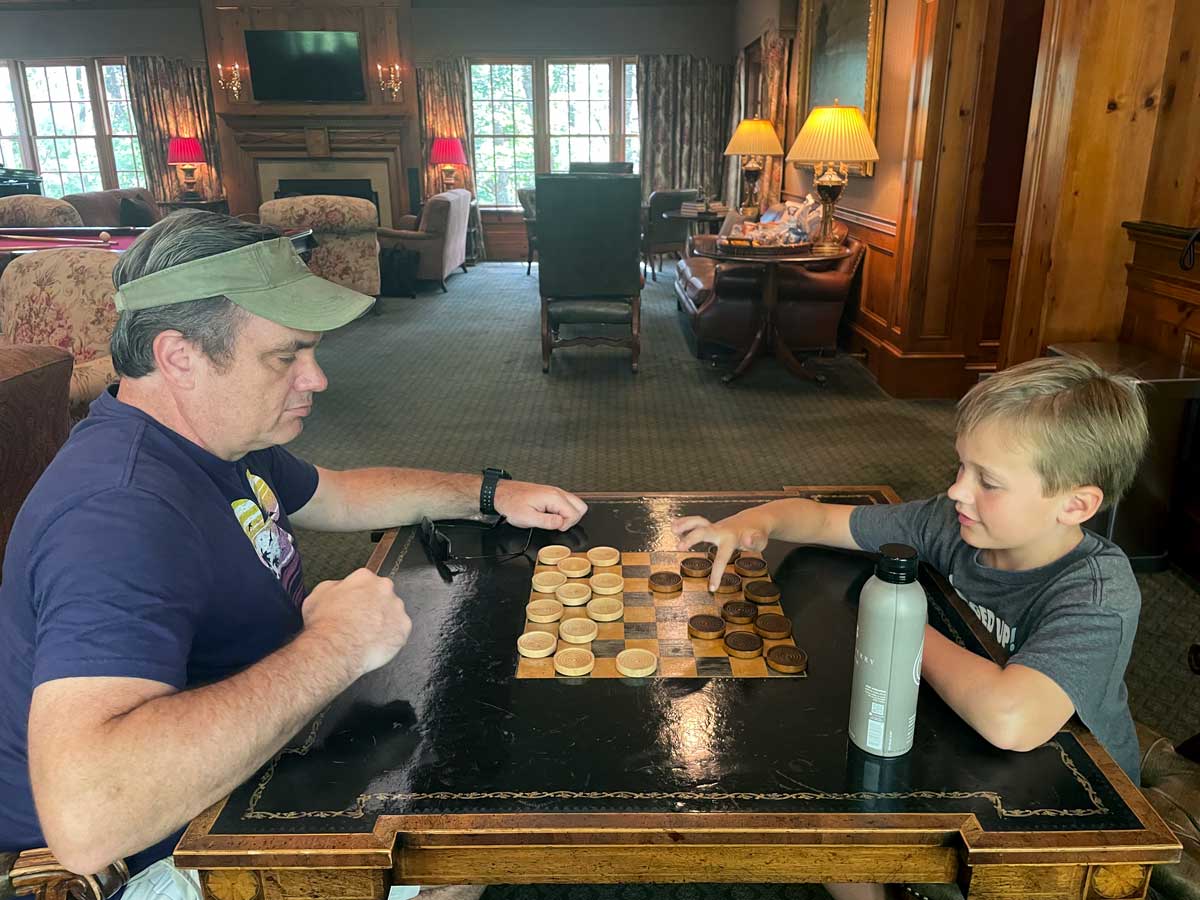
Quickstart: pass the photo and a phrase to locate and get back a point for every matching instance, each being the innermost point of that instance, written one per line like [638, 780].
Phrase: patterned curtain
[172, 98]
[774, 107]
[442, 92]
[733, 171]
[683, 104]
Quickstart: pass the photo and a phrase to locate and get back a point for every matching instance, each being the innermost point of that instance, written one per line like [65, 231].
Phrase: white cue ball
[104, 236]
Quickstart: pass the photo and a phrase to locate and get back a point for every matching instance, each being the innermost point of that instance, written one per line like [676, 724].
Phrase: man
[158, 642]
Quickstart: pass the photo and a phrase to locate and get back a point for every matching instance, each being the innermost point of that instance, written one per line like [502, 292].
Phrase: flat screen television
[305, 66]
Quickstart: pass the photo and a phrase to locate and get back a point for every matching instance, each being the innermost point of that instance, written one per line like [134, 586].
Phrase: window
[72, 121]
[12, 156]
[579, 113]
[539, 115]
[127, 152]
[502, 115]
[633, 126]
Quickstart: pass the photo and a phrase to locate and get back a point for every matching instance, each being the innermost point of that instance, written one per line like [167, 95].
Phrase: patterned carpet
[453, 381]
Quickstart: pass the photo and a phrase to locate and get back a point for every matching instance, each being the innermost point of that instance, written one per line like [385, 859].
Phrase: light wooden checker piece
[574, 662]
[575, 567]
[573, 593]
[577, 631]
[548, 582]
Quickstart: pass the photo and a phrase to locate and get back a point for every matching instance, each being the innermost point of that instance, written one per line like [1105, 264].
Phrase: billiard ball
[104, 236]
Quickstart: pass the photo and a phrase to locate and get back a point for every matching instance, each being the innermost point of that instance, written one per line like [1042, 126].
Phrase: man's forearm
[147, 772]
[385, 497]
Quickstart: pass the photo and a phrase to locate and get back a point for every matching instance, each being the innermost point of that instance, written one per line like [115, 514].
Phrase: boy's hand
[743, 531]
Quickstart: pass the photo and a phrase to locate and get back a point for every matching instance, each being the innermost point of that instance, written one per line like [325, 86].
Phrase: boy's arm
[1013, 707]
[797, 520]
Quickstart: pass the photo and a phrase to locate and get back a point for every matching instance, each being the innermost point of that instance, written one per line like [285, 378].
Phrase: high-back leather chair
[664, 235]
[601, 168]
[588, 240]
[527, 197]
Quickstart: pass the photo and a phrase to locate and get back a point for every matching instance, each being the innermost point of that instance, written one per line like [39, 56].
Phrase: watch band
[487, 490]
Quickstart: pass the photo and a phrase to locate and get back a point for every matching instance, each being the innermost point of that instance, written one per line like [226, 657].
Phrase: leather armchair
[440, 236]
[64, 298]
[719, 302]
[347, 251]
[527, 197]
[100, 208]
[664, 235]
[34, 385]
[588, 242]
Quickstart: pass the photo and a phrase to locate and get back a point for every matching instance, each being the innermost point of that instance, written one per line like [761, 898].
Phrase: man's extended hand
[743, 531]
[528, 505]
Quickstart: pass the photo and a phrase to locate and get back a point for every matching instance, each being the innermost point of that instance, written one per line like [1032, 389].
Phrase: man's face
[998, 493]
[260, 398]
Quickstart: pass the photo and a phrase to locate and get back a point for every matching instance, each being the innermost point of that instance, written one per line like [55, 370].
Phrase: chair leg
[464, 268]
[529, 261]
[444, 288]
[546, 347]
[375, 308]
[636, 328]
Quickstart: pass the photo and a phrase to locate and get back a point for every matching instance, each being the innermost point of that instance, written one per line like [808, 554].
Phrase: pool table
[17, 241]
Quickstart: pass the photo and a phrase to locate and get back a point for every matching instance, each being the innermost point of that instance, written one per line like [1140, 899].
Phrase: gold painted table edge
[691, 847]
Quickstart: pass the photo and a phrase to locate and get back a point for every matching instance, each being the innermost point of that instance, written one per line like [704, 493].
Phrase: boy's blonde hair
[1082, 425]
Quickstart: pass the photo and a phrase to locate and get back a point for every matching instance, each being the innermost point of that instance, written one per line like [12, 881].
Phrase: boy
[1042, 447]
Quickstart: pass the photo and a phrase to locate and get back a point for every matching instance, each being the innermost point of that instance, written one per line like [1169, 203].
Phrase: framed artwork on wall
[845, 58]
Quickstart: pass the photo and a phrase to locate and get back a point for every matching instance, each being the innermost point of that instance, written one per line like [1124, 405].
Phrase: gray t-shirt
[1072, 620]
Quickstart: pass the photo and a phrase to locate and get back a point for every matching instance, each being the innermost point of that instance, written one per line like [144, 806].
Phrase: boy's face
[998, 495]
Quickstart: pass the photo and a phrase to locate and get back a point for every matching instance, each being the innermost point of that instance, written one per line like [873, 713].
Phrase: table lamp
[447, 152]
[187, 153]
[753, 139]
[833, 139]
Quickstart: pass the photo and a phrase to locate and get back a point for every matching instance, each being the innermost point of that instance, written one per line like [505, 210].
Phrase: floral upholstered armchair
[347, 251]
[35, 211]
[64, 298]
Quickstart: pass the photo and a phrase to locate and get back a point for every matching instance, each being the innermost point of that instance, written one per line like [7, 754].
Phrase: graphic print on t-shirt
[271, 541]
[1005, 634]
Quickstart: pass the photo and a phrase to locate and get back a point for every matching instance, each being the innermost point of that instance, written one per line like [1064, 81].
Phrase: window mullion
[616, 108]
[104, 148]
[541, 113]
[25, 114]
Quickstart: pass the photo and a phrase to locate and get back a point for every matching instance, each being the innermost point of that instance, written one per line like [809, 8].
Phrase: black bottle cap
[897, 564]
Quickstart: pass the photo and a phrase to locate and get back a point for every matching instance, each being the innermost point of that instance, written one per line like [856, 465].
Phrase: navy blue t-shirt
[139, 554]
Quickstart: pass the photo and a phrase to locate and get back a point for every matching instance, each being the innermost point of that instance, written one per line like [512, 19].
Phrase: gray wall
[155, 30]
[465, 28]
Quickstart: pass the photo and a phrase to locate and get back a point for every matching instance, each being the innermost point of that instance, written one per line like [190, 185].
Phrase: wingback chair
[64, 298]
[664, 235]
[440, 236]
[35, 211]
[588, 240]
[347, 251]
[527, 197]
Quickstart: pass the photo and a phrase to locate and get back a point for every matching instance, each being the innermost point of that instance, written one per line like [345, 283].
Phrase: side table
[215, 204]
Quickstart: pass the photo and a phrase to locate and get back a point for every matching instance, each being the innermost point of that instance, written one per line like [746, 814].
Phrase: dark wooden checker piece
[706, 627]
[787, 659]
[704, 547]
[711, 553]
[763, 593]
[739, 612]
[750, 567]
[695, 567]
[666, 582]
[773, 626]
[730, 584]
[743, 644]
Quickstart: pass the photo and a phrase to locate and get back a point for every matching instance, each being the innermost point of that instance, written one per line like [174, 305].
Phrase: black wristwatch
[487, 490]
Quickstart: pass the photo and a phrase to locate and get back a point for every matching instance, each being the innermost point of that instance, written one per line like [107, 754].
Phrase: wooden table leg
[763, 336]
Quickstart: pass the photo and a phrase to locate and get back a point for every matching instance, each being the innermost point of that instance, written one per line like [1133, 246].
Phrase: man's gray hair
[211, 323]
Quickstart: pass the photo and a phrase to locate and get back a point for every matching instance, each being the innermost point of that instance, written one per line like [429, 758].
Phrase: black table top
[447, 728]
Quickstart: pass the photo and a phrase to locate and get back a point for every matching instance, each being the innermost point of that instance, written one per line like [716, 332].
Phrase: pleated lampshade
[184, 151]
[833, 134]
[754, 137]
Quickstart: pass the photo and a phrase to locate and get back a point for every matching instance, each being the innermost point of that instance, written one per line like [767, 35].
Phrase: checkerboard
[658, 623]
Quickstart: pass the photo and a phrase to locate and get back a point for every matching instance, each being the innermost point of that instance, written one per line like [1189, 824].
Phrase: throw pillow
[137, 213]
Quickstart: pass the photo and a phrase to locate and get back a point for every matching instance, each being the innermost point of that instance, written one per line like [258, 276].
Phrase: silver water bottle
[888, 645]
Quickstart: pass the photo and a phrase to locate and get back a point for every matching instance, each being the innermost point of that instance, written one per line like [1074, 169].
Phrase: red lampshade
[184, 151]
[447, 151]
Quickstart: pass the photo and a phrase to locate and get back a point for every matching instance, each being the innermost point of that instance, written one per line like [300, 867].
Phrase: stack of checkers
[607, 614]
